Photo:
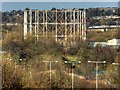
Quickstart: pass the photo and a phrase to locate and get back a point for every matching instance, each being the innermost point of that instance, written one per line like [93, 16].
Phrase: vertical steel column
[71, 24]
[80, 25]
[46, 23]
[84, 25]
[56, 27]
[74, 21]
[35, 32]
[74, 31]
[43, 23]
[30, 13]
[25, 24]
[78, 22]
[65, 26]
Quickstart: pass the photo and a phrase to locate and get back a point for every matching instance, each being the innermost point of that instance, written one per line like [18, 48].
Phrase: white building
[113, 42]
[94, 44]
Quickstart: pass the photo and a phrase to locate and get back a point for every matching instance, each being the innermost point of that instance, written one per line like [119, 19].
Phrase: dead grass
[33, 75]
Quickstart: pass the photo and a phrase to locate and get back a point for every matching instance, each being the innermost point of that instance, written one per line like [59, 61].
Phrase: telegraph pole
[73, 63]
[50, 68]
[97, 62]
[117, 64]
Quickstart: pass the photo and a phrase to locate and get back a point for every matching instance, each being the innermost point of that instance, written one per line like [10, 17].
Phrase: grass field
[71, 58]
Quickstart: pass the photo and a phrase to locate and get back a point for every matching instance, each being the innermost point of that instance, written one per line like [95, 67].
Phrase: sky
[9, 6]
[60, 0]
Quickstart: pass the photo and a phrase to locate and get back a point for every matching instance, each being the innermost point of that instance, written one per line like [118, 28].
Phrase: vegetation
[24, 66]
[71, 58]
[12, 16]
[17, 16]
[112, 76]
[99, 36]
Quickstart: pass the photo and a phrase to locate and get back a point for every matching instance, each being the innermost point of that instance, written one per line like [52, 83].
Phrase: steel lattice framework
[55, 23]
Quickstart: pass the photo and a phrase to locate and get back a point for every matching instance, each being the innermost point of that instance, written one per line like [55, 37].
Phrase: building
[103, 28]
[114, 43]
[94, 44]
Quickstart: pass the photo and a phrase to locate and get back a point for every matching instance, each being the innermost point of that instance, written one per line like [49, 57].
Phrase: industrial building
[114, 43]
[64, 23]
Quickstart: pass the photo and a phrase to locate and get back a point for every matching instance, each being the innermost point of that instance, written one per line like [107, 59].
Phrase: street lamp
[97, 62]
[115, 63]
[73, 63]
[21, 59]
[50, 65]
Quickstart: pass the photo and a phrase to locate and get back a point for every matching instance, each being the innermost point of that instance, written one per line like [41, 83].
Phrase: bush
[29, 48]
[12, 78]
[112, 76]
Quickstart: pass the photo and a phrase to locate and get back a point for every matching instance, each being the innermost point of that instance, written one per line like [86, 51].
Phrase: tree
[27, 8]
[53, 8]
[112, 75]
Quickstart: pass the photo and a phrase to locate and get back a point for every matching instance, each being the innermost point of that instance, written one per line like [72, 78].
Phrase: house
[114, 43]
[94, 44]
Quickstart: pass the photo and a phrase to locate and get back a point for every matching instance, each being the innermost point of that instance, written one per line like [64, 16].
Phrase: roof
[94, 44]
[104, 26]
[113, 42]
